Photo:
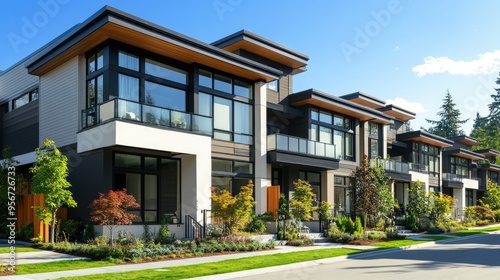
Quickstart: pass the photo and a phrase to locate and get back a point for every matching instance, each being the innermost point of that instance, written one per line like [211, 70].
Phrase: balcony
[452, 177]
[300, 151]
[120, 109]
[391, 165]
[418, 167]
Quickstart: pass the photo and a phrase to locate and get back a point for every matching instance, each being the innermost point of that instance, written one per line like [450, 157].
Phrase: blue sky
[407, 52]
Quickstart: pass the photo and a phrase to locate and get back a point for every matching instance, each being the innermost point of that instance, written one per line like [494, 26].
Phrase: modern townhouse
[135, 105]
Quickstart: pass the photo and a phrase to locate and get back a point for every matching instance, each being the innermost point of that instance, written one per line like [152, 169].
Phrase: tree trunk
[111, 233]
[53, 227]
[364, 225]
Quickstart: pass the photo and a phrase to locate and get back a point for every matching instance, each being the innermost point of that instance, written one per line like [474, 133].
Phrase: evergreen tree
[450, 124]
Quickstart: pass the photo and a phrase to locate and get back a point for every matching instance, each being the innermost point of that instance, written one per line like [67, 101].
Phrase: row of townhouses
[135, 105]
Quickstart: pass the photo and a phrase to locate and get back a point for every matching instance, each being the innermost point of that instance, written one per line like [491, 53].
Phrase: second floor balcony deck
[121, 109]
[295, 150]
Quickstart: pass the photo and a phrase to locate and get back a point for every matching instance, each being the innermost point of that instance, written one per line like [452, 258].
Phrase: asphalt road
[476, 258]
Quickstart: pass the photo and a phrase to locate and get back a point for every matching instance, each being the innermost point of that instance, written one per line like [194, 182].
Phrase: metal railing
[452, 177]
[286, 143]
[391, 165]
[193, 229]
[147, 114]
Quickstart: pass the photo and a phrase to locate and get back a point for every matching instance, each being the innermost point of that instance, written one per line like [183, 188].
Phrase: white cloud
[487, 63]
[414, 107]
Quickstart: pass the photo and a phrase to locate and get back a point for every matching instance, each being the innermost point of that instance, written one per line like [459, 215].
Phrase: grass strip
[226, 266]
[6, 250]
[398, 243]
[475, 231]
[59, 266]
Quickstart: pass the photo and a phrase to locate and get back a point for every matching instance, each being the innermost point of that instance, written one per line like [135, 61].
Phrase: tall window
[330, 128]
[469, 198]
[493, 176]
[233, 120]
[225, 84]
[373, 140]
[154, 183]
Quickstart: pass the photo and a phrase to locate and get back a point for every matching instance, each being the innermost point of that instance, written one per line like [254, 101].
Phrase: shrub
[497, 214]
[101, 240]
[126, 238]
[358, 227]
[256, 224]
[301, 241]
[147, 235]
[345, 224]
[164, 236]
[376, 235]
[481, 213]
[89, 233]
[267, 216]
[71, 230]
[435, 230]
[26, 232]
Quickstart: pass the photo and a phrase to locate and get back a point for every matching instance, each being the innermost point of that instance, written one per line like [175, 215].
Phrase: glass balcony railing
[418, 167]
[391, 165]
[151, 115]
[452, 177]
[286, 143]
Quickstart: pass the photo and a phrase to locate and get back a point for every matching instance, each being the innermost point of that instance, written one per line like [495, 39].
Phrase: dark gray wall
[20, 129]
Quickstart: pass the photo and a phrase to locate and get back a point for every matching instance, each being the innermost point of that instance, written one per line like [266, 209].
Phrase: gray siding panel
[15, 82]
[59, 104]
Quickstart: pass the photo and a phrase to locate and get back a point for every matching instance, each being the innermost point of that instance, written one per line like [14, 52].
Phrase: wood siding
[229, 150]
[59, 104]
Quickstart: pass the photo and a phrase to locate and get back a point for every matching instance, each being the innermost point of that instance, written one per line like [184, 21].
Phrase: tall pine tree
[450, 124]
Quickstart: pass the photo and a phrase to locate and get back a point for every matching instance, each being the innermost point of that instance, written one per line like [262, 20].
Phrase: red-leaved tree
[111, 209]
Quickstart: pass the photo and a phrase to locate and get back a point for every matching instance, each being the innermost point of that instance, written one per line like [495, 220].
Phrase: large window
[341, 194]
[154, 183]
[231, 175]
[233, 120]
[334, 129]
[165, 96]
[225, 84]
[469, 198]
[165, 71]
[460, 166]
[493, 176]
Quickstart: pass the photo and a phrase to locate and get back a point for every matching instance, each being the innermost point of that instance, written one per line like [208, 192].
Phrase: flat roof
[463, 153]
[464, 139]
[263, 47]
[488, 152]
[364, 99]
[398, 112]
[425, 137]
[112, 24]
[339, 105]
[489, 166]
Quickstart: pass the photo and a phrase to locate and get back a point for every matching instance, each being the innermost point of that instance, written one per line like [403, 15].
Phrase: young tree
[301, 203]
[450, 123]
[381, 180]
[49, 178]
[441, 205]
[235, 212]
[492, 196]
[111, 209]
[418, 201]
[363, 191]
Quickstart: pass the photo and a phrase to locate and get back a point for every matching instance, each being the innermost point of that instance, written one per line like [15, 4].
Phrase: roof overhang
[463, 153]
[425, 137]
[398, 112]
[489, 166]
[488, 152]
[112, 24]
[464, 139]
[364, 99]
[339, 105]
[263, 47]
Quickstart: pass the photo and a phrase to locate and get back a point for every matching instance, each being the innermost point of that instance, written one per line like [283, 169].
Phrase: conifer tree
[450, 124]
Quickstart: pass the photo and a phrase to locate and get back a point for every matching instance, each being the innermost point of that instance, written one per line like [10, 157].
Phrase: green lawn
[4, 250]
[59, 266]
[398, 243]
[181, 272]
[475, 231]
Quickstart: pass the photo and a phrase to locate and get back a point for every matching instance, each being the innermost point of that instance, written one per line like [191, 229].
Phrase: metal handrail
[192, 228]
[287, 143]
